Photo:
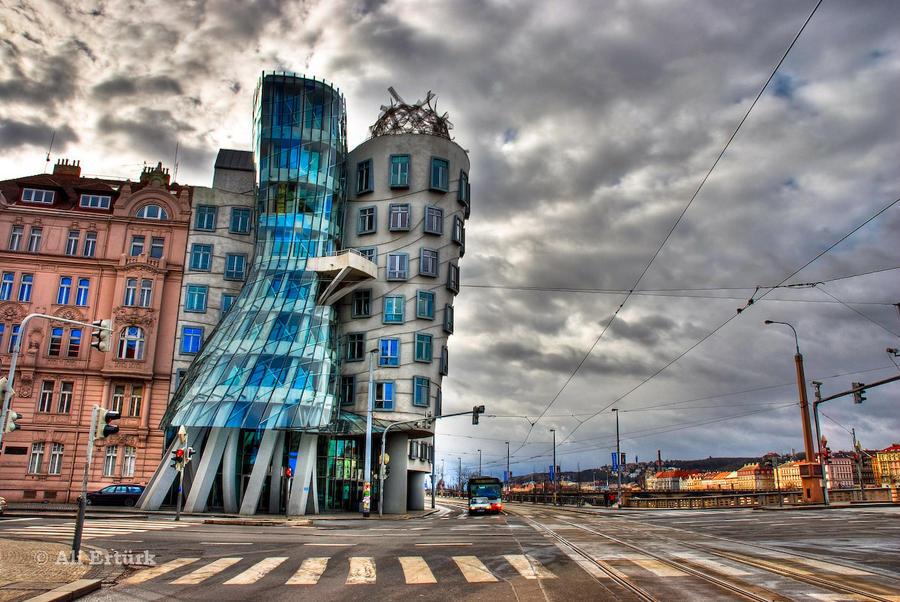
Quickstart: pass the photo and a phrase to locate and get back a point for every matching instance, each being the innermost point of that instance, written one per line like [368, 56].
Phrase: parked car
[2, 505]
[116, 495]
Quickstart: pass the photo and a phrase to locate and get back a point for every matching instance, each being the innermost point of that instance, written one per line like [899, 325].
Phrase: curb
[69, 591]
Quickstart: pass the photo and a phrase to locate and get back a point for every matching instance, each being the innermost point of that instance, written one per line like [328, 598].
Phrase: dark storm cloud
[17, 133]
[54, 84]
[127, 85]
[151, 131]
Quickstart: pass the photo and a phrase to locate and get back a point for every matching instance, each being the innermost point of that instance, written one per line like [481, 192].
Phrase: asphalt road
[531, 553]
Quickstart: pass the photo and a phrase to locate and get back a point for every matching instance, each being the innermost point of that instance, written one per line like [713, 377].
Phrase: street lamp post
[618, 461]
[479, 462]
[555, 476]
[367, 480]
[459, 476]
[508, 476]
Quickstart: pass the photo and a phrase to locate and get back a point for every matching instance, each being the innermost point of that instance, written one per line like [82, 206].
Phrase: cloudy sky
[591, 128]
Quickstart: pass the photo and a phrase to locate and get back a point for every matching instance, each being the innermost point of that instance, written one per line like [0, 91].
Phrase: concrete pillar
[415, 490]
[229, 472]
[162, 479]
[250, 501]
[395, 486]
[207, 468]
[275, 476]
[300, 501]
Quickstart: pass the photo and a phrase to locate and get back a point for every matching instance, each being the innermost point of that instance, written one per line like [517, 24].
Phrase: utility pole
[479, 463]
[618, 461]
[819, 441]
[508, 475]
[858, 454]
[367, 478]
[459, 477]
[553, 475]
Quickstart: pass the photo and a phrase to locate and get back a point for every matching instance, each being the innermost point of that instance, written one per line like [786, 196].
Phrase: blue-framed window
[55, 345]
[81, 294]
[459, 231]
[201, 257]
[235, 266]
[195, 298]
[445, 361]
[355, 346]
[137, 246]
[6, 287]
[425, 305]
[64, 291]
[367, 221]
[453, 277]
[464, 192]
[394, 309]
[270, 371]
[348, 390]
[384, 395]
[448, 318]
[428, 262]
[438, 401]
[398, 216]
[423, 347]
[205, 218]
[421, 391]
[74, 343]
[389, 352]
[364, 176]
[440, 174]
[399, 177]
[362, 304]
[434, 220]
[13, 337]
[25, 284]
[286, 327]
[191, 339]
[370, 253]
[398, 266]
[227, 301]
[240, 220]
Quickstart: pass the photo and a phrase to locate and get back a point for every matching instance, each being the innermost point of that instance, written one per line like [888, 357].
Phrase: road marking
[226, 543]
[416, 570]
[528, 567]
[834, 568]
[473, 569]
[444, 544]
[309, 572]
[161, 569]
[362, 570]
[330, 545]
[257, 571]
[205, 572]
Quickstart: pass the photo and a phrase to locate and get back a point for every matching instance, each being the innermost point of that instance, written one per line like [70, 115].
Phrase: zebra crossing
[359, 570]
[93, 529]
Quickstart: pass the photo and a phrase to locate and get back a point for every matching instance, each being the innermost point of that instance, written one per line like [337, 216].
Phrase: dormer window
[94, 201]
[34, 195]
[152, 212]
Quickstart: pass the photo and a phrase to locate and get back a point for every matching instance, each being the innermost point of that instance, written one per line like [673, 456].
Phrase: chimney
[64, 168]
[155, 174]
[659, 460]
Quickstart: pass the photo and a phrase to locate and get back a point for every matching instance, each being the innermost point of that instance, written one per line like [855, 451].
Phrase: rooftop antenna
[49, 148]
[175, 171]
[395, 95]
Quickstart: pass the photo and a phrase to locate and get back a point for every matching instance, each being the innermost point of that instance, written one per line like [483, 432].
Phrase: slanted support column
[229, 472]
[162, 479]
[250, 500]
[275, 475]
[299, 502]
[206, 470]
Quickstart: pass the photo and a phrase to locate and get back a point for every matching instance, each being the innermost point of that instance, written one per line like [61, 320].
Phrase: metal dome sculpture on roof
[418, 118]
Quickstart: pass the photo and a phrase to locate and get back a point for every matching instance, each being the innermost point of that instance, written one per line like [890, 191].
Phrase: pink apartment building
[88, 249]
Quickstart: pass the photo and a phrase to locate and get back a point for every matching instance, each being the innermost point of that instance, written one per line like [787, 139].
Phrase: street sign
[615, 461]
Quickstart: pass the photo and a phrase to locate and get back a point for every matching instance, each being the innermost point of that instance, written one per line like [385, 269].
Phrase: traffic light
[178, 459]
[4, 387]
[476, 410]
[859, 393]
[104, 428]
[189, 454]
[11, 418]
[100, 335]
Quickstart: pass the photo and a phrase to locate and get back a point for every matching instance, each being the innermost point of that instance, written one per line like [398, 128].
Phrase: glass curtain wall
[273, 360]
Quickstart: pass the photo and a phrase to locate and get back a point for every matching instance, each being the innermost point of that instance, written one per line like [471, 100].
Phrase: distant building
[840, 471]
[788, 476]
[755, 477]
[668, 480]
[886, 466]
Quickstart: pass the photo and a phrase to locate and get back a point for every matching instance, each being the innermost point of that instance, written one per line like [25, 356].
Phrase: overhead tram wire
[859, 313]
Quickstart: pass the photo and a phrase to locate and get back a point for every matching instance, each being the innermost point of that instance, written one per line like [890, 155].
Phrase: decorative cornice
[134, 316]
[11, 311]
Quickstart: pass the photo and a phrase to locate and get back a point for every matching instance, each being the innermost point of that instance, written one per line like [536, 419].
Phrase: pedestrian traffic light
[178, 459]
[859, 393]
[104, 428]
[4, 387]
[100, 335]
[189, 454]
[476, 410]
[11, 418]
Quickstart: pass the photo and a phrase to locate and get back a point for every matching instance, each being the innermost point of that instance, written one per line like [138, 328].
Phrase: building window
[394, 309]
[423, 347]
[356, 346]
[137, 246]
[135, 401]
[362, 304]
[240, 220]
[370, 253]
[366, 222]
[130, 292]
[399, 177]
[459, 232]
[33, 195]
[56, 456]
[90, 244]
[235, 267]
[15, 237]
[453, 277]
[117, 402]
[74, 345]
[128, 457]
[348, 390]
[445, 361]
[437, 401]
[191, 338]
[428, 262]
[25, 283]
[94, 201]
[421, 391]
[389, 352]
[425, 305]
[146, 292]
[157, 246]
[227, 301]
[398, 216]
[205, 218]
[6, 286]
[34, 240]
[45, 402]
[56, 335]
[14, 338]
[462, 193]
[81, 293]
[384, 395]
[64, 290]
[201, 257]
[152, 212]
[434, 220]
[109, 462]
[36, 459]
[179, 376]
[364, 176]
[448, 318]
[72, 242]
[440, 168]
[131, 343]
[398, 266]
[195, 299]
[64, 404]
